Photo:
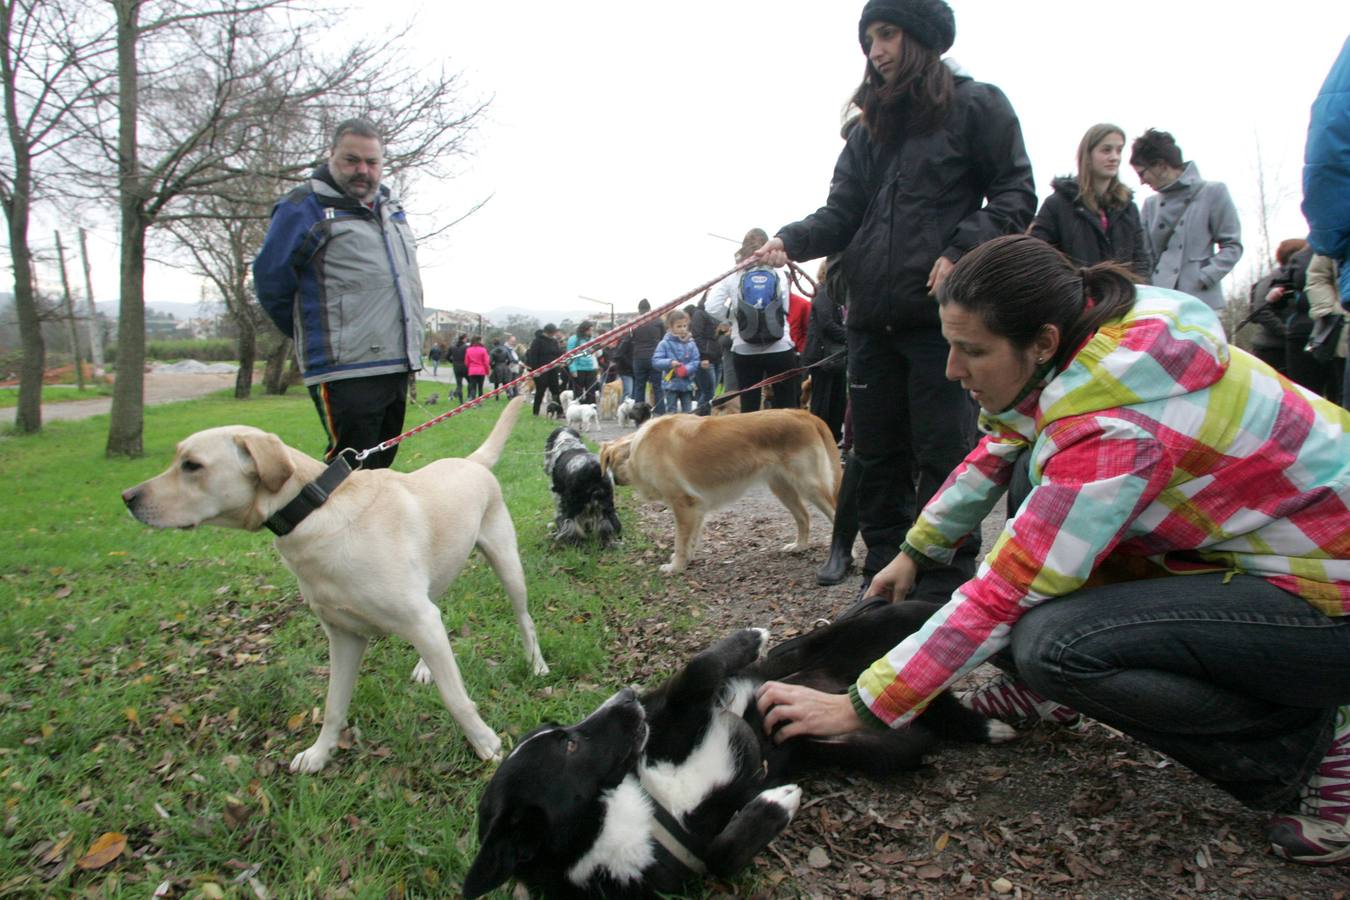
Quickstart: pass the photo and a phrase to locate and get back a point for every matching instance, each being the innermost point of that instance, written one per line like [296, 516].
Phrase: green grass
[58, 393]
[157, 683]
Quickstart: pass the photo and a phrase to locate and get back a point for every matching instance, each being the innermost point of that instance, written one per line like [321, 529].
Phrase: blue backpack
[760, 316]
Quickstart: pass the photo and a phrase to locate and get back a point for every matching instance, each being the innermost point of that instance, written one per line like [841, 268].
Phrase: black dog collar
[310, 498]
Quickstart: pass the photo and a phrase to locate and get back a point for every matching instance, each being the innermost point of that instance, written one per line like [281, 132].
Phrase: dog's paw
[789, 796]
[1000, 732]
[421, 674]
[793, 547]
[488, 747]
[668, 568]
[538, 666]
[312, 760]
[763, 641]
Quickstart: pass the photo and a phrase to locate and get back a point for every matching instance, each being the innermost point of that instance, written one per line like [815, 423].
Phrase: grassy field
[155, 685]
[58, 393]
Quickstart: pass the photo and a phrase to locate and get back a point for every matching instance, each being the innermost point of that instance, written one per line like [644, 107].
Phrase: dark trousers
[644, 374]
[705, 380]
[752, 368]
[581, 384]
[360, 413]
[829, 397]
[461, 377]
[1225, 673]
[911, 427]
[476, 386]
[548, 381]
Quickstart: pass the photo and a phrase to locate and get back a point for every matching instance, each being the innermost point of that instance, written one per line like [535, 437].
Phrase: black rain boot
[837, 567]
[845, 530]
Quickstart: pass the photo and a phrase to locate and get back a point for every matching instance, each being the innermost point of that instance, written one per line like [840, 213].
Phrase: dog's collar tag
[310, 498]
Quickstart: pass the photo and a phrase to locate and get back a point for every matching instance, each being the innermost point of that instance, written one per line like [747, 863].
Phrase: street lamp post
[602, 303]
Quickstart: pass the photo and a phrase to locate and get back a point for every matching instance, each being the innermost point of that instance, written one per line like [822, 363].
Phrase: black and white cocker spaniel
[583, 494]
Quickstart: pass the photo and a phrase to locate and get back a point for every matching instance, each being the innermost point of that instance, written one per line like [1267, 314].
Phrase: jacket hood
[1066, 185]
[1188, 180]
[1170, 344]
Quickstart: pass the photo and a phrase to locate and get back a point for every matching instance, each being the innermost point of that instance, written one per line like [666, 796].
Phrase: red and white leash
[609, 337]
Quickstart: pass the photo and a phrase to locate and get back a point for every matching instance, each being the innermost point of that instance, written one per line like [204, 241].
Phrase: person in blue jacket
[1326, 176]
[338, 273]
[677, 356]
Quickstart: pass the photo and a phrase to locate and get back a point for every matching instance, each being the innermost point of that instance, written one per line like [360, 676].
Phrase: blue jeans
[627, 381]
[1234, 678]
[679, 401]
[643, 375]
[706, 381]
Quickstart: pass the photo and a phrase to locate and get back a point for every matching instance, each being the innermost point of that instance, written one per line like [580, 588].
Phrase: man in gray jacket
[338, 273]
[1190, 225]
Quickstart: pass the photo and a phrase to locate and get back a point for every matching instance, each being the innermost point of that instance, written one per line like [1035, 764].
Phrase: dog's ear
[509, 841]
[270, 459]
[606, 457]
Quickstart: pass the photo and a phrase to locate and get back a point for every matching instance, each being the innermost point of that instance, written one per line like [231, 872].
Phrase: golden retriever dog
[371, 560]
[611, 395]
[697, 464]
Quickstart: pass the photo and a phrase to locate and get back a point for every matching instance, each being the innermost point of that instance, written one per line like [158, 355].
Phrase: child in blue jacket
[677, 357]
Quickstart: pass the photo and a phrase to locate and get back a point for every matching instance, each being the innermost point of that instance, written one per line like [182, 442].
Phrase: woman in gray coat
[1190, 225]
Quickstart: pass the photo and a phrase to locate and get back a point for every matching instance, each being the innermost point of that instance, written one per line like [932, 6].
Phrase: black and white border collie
[650, 793]
[582, 493]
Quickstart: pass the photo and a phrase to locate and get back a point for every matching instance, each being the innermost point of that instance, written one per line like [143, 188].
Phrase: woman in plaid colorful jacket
[1178, 566]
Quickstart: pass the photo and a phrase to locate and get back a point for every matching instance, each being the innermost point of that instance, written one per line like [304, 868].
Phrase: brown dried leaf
[104, 850]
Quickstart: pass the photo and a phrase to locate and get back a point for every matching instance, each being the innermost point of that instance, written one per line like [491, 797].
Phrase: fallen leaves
[106, 848]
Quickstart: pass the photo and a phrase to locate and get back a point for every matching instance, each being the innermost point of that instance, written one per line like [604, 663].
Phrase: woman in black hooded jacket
[936, 167]
[1101, 224]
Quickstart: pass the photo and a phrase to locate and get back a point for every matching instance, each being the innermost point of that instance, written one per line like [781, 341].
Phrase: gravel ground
[1053, 814]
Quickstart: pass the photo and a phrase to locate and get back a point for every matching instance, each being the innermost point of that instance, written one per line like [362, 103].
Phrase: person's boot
[845, 529]
[1318, 833]
[837, 567]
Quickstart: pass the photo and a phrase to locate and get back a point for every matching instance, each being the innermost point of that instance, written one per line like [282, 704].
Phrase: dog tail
[491, 449]
[831, 452]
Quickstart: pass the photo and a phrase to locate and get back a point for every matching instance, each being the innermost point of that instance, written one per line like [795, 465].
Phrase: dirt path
[1054, 814]
[160, 387]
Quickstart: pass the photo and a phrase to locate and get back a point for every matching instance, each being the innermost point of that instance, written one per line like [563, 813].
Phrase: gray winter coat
[342, 279]
[1183, 225]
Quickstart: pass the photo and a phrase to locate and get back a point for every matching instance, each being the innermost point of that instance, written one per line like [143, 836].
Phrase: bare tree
[200, 89]
[49, 62]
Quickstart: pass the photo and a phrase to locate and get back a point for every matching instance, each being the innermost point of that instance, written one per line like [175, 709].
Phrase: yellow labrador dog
[697, 464]
[372, 560]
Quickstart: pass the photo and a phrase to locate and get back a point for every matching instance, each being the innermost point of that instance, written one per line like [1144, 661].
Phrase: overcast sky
[620, 134]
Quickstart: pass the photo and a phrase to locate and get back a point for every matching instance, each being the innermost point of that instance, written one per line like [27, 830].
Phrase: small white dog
[633, 412]
[566, 398]
[625, 411]
[583, 416]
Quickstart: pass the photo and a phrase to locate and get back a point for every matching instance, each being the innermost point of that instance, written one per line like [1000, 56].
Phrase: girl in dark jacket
[1102, 223]
[936, 167]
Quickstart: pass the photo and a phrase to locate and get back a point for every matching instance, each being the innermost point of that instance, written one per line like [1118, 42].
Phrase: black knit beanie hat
[930, 22]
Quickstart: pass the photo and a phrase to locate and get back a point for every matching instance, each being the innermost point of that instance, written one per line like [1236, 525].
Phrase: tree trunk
[248, 354]
[127, 425]
[274, 375]
[28, 416]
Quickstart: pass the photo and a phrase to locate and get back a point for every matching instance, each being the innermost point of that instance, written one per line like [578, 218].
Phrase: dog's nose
[131, 495]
